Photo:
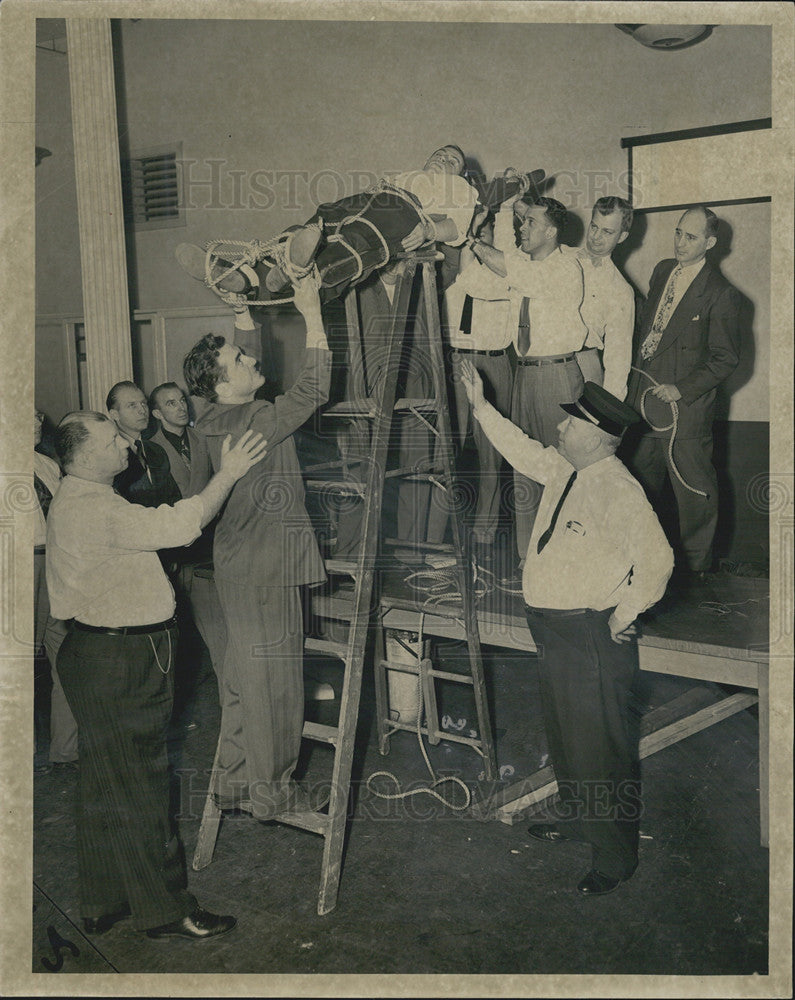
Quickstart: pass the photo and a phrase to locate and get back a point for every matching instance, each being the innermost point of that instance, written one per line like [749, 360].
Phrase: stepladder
[372, 408]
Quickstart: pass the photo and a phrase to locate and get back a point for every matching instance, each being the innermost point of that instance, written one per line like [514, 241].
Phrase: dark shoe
[99, 925]
[229, 803]
[547, 832]
[200, 924]
[597, 884]
[42, 768]
[192, 260]
[65, 766]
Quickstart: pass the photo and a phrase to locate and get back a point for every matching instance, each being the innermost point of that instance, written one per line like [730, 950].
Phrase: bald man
[689, 344]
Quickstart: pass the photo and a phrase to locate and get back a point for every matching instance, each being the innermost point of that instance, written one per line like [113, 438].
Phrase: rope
[435, 782]
[672, 427]
[250, 253]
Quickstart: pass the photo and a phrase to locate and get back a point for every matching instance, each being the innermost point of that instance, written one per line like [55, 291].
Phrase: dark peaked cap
[601, 408]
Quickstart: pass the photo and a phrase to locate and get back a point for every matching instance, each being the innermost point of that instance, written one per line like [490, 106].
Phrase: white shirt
[102, 564]
[49, 473]
[608, 311]
[685, 278]
[441, 194]
[553, 287]
[490, 329]
[607, 549]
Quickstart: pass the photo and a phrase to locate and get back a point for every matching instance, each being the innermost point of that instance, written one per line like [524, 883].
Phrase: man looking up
[546, 289]
[608, 306]
[104, 577]
[147, 479]
[264, 550]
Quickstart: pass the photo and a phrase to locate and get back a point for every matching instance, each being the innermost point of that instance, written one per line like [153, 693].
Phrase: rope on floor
[429, 789]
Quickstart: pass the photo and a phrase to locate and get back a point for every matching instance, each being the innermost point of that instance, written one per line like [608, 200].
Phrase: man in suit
[264, 551]
[147, 480]
[689, 344]
[197, 604]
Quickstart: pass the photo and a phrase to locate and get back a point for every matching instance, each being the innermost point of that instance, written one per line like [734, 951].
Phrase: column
[99, 206]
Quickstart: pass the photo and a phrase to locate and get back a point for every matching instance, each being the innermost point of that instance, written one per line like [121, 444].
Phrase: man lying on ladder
[350, 238]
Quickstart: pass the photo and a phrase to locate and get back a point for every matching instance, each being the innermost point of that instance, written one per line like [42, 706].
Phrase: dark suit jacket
[698, 350]
[193, 481]
[135, 485]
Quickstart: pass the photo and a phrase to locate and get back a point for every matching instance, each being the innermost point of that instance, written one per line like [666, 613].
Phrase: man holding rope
[689, 344]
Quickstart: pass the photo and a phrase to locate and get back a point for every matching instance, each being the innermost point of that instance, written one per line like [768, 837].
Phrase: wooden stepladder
[379, 411]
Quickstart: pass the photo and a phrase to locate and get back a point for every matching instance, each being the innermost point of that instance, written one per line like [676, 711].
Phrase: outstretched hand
[306, 292]
[472, 382]
[248, 450]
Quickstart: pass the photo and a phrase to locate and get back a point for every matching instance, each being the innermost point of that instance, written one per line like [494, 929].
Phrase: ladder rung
[421, 546]
[470, 741]
[313, 822]
[352, 408]
[339, 485]
[334, 607]
[348, 567]
[423, 405]
[338, 649]
[321, 734]
[409, 668]
[422, 475]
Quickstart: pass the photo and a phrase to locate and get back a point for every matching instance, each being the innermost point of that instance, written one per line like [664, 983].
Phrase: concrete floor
[427, 890]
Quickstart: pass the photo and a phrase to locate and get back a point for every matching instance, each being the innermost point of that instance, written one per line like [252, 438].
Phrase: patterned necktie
[543, 539]
[652, 341]
[465, 326]
[184, 450]
[43, 494]
[139, 451]
[523, 339]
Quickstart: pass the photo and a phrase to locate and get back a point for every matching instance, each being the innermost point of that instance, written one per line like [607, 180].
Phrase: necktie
[542, 541]
[523, 340]
[139, 451]
[652, 341]
[184, 450]
[43, 495]
[465, 326]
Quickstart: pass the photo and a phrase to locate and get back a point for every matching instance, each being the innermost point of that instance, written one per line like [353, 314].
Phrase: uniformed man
[597, 559]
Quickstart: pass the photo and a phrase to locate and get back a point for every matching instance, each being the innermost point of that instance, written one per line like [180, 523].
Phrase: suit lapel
[689, 306]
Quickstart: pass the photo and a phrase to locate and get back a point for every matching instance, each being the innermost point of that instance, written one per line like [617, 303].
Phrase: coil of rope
[672, 427]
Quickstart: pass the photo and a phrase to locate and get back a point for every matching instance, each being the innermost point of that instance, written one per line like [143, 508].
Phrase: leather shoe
[198, 925]
[99, 925]
[547, 832]
[597, 884]
[229, 804]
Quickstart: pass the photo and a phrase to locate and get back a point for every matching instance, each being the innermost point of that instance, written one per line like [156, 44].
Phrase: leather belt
[560, 359]
[471, 350]
[39, 550]
[126, 629]
[555, 613]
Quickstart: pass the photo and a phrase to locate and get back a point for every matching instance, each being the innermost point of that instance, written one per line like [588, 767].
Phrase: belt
[471, 350]
[559, 359]
[555, 613]
[39, 550]
[126, 629]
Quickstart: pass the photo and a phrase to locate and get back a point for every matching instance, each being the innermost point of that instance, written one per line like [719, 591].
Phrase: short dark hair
[72, 433]
[555, 212]
[201, 369]
[710, 219]
[153, 405]
[610, 204]
[110, 402]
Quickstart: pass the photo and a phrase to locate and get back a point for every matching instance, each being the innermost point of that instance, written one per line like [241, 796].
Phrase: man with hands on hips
[597, 559]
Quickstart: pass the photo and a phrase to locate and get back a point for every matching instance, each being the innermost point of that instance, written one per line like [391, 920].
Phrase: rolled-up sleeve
[527, 456]
[147, 529]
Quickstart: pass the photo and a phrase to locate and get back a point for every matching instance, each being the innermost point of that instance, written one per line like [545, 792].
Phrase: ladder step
[352, 408]
[320, 734]
[334, 607]
[421, 475]
[338, 485]
[338, 649]
[422, 405]
[347, 567]
[313, 822]
[421, 546]
[445, 675]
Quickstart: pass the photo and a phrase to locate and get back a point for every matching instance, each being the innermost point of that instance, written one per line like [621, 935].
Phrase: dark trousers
[538, 391]
[121, 699]
[586, 683]
[352, 249]
[698, 516]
